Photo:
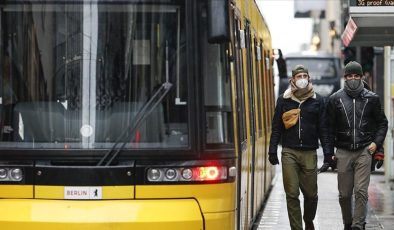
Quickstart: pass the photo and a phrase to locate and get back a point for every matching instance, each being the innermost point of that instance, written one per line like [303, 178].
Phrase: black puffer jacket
[310, 127]
[356, 122]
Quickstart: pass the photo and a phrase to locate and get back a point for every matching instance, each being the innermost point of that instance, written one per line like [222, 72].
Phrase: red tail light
[208, 173]
[202, 173]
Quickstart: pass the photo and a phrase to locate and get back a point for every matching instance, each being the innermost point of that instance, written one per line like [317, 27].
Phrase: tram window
[240, 81]
[217, 94]
[81, 76]
[259, 76]
[250, 78]
[262, 86]
[217, 97]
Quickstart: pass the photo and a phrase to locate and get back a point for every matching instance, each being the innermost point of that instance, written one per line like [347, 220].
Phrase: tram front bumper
[104, 214]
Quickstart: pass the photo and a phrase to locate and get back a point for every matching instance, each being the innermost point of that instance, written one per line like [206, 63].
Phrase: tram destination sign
[371, 2]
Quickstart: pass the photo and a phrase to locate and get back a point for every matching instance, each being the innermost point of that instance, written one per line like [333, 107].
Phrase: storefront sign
[374, 3]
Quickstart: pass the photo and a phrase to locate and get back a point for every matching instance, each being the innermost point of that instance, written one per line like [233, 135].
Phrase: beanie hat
[353, 68]
[299, 69]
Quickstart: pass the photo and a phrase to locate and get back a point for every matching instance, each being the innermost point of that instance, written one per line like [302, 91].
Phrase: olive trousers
[299, 169]
[354, 170]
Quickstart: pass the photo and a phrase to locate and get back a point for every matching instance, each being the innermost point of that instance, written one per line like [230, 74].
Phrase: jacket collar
[363, 94]
[289, 95]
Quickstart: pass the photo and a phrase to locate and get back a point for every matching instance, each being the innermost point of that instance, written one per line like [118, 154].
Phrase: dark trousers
[299, 170]
[354, 170]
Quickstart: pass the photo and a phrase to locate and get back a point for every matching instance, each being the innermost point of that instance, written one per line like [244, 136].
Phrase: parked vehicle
[324, 69]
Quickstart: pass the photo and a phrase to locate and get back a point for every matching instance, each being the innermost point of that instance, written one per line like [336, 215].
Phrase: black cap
[353, 68]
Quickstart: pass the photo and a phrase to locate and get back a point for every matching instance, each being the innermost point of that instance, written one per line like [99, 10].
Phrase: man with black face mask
[357, 127]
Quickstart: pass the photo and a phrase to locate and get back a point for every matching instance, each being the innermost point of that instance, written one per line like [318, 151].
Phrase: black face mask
[353, 87]
[353, 83]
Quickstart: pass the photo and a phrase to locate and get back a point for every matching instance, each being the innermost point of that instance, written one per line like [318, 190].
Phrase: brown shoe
[309, 226]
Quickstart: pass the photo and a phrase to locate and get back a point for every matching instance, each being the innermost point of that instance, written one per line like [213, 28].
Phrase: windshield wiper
[141, 116]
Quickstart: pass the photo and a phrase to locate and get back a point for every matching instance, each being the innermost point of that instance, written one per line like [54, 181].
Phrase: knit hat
[299, 69]
[353, 68]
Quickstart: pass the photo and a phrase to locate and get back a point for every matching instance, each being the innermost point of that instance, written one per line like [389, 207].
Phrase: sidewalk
[328, 217]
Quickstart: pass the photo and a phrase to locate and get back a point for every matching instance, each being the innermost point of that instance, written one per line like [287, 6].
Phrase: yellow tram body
[156, 207]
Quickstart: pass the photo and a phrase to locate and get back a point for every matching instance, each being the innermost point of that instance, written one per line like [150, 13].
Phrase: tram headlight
[171, 174]
[154, 174]
[187, 174]
[11, 174]
[16, 174]
[3, 173]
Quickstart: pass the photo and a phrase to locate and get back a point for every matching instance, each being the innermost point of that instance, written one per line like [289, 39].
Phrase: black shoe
[347, 227]
[356, 228]
[309, 226]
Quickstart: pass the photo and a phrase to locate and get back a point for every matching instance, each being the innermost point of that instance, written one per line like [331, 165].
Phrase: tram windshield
[75, 74]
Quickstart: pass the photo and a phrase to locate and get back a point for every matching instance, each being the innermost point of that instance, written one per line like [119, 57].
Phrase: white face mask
[302, 83]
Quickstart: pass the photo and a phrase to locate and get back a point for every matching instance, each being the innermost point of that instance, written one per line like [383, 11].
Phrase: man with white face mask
[357, 127]
[298, 124]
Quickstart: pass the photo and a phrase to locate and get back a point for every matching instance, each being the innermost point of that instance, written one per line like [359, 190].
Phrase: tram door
[239, 43]
[269, 170]
[252, 124]
[263, 86]
[259, 143]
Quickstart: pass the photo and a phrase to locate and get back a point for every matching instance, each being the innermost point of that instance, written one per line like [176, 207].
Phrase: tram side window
[258, 79]
[217, 98]
[217, 91]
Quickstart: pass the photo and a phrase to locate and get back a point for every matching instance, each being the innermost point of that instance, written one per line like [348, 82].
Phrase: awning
[369, 26]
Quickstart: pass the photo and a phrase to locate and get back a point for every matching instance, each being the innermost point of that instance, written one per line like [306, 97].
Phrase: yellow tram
[130, 114]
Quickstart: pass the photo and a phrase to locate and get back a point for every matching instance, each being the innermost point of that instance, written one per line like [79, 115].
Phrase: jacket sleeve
[381, 123]
[331, 122]
[277, 127]
[323, 128]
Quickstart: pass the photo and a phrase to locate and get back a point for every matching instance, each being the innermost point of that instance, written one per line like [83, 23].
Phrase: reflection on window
[76, 76]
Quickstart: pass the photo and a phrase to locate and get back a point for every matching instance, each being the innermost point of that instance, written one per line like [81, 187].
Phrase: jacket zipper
[299, 124]
[354, 123]
[362, 113]
[347, 118]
